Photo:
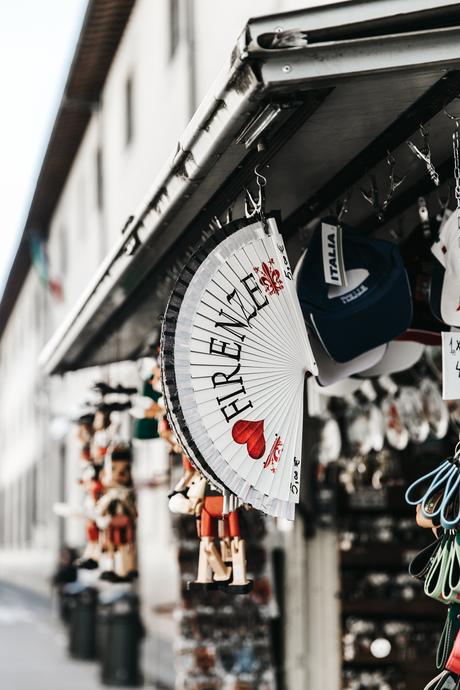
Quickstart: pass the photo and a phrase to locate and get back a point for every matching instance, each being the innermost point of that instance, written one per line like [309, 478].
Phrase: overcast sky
[37, 41]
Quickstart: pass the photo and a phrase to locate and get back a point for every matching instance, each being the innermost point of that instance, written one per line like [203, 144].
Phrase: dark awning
[317, 117]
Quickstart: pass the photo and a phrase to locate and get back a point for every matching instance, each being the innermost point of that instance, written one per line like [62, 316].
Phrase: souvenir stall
[297, 261]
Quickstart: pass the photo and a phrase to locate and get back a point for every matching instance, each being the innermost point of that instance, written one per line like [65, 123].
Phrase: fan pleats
[235, 352]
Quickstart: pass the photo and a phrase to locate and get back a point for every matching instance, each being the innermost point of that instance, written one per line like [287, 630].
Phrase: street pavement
[33, 653]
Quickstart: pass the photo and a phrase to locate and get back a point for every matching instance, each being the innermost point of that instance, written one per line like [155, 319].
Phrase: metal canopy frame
[341, 64]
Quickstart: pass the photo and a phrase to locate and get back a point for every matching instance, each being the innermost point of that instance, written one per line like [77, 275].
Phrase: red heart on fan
[252, 434]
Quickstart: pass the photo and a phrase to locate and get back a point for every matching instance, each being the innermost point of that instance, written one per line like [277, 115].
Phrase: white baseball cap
[330, 371]
[399, 356]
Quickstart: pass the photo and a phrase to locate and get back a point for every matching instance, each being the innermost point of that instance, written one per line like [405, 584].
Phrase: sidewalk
[33, 654]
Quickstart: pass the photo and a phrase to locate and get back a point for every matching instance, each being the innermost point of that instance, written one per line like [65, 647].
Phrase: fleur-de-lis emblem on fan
[269, 277]
[274, 456]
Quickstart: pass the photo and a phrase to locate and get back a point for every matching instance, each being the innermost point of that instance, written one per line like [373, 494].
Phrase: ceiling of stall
[331, 136]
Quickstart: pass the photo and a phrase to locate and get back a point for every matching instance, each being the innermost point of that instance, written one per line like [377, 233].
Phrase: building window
[174, 26]
[99, 180]
[129, 114]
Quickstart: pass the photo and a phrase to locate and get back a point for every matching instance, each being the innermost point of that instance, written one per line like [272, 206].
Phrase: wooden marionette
[94, 491]
[101, 437]
[117, 515]
[225, 568]
[167, 434]
[153, 388]
[155, 379]
[184, 482]
[85, 435]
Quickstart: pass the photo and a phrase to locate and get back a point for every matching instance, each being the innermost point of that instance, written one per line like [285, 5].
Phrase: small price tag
[451, 366]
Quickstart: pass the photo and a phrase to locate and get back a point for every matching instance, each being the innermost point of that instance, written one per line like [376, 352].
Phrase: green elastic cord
[438, 572]
[454, 574]
[447, 593]
[449, 633]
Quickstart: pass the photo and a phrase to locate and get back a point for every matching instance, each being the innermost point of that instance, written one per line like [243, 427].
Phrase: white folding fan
[235, 352]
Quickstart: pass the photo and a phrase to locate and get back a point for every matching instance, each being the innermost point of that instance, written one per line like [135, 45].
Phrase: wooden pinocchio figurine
[167, 434]
[225, 568]
[85, 432]
[101, 436]
[94, 491]
[184, 482]
[117, 515]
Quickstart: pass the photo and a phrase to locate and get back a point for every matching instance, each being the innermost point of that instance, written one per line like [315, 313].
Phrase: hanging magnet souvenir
[434, 407]
[396, 433]
[411, 411]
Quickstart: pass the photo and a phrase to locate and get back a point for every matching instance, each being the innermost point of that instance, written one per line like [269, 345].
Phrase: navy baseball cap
[373, 308]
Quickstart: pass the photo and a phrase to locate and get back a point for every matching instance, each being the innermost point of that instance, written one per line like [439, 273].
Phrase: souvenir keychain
[437, 497]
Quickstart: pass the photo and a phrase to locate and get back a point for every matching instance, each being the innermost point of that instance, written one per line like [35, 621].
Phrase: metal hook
[444, 203]
[372, 196]
[395, 180]
[260, 179]
[444, 212]
[454, 118]
[343, 206]
[256, 207]
[215, 223]
[425, 154]
[251, 206]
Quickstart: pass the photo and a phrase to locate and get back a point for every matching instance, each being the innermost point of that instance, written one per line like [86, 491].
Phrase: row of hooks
[378, 198]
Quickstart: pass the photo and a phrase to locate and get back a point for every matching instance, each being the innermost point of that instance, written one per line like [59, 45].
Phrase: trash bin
[82, 602]
[120, 634]
[102, 624]
[64, 603]
[107, 598]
